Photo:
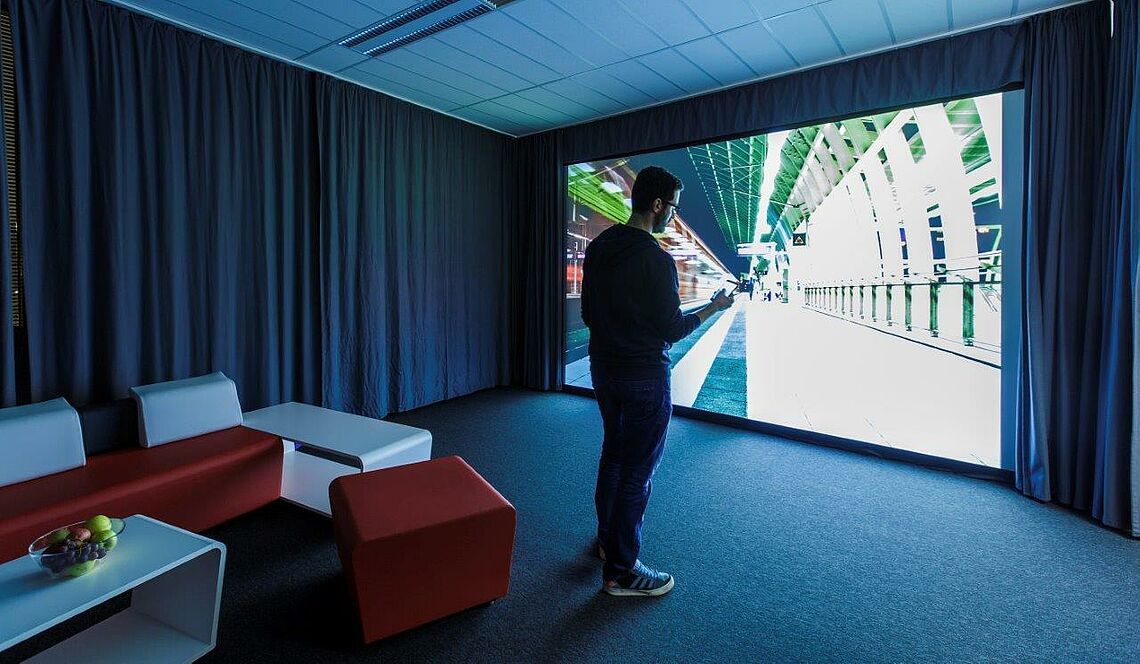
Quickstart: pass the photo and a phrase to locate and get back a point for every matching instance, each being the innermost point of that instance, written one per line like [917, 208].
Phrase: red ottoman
[421, 541]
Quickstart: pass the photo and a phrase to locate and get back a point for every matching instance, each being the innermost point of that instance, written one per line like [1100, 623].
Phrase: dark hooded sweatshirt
[630, 304]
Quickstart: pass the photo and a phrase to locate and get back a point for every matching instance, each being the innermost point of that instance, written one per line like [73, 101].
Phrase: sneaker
[642, 581]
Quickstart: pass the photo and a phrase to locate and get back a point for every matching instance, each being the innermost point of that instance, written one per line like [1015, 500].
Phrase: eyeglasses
[676, 208]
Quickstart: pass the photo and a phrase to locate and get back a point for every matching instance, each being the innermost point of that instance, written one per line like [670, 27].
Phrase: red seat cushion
[421, 541]
[194, 483]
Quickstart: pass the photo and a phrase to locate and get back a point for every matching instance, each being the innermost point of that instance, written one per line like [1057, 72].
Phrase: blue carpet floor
[782, 551]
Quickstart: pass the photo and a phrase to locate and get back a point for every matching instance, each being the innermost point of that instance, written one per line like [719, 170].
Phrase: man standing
[631, 305]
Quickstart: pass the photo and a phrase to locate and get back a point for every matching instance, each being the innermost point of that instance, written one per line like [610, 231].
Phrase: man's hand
[721, 301]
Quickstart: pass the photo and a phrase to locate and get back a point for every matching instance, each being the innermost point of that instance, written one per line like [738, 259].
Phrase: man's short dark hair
[651, 183]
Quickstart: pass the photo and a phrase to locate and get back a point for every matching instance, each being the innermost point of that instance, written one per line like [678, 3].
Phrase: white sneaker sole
[618, 591]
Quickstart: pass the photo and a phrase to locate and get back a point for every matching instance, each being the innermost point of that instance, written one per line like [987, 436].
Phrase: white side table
[322, 445]
[176, 579]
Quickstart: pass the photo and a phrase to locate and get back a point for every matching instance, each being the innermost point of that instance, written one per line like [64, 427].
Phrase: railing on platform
[860, 300]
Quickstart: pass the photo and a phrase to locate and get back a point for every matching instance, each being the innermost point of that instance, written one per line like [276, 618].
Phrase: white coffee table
[176, 579]
[322, 445]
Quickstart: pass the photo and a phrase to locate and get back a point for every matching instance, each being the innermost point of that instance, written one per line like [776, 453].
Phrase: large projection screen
[872, 248]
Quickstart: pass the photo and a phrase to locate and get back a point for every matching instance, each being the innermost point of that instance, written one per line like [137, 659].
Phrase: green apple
[110, 542]
[79, 569]
[98, 536]
[58, 536]
[97, 523]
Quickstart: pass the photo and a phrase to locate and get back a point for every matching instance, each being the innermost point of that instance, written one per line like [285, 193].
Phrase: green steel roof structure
[587, 187]
[731, 173]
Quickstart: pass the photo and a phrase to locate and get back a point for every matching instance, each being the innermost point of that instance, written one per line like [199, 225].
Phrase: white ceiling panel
[465, 39]
[769, 8]
[534, 109]
[506, 30]
[970, 12]
[465, 62]
[576, 107]
[303, 17]
[671, 20]
[915, 19]
[615, 23]
[645, 79]
[722, 15]
[757, 47]
[417, 81]
[717, 59]
[804, 34]
[614, 88]
[857, 29]
[539, 64]
[333, 58]
[678, 69]
[351, 12]
[566, 31]
[442, 73]
[277, 26]
[571, 89]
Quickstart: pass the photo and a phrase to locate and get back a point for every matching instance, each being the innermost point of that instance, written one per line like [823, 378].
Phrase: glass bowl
[75, 550]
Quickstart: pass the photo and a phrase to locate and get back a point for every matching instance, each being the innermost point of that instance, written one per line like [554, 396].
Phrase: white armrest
[39, 439]
[186, 408]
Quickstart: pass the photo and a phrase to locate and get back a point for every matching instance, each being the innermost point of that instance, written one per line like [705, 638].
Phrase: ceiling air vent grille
[427, 31]
[393, 22]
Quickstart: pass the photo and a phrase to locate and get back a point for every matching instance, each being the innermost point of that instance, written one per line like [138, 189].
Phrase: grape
[100, 554]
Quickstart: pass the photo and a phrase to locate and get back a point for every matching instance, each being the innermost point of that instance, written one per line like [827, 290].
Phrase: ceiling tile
[718, 60]
[769, 8]
[614, 88]
[675, 67]
[615, 23]
[669, 19]
[440, 52]
[264, 24]
[575, 108]
[858, 29]
[412, 94]
[723, 15]
[575, 90]
[1024, 6]
[917, 19]
[486, 119]
[333, 58]
[350, 12]
[442, 73]
[520, 117]
[554, 116]
[391, 72]
[509, 32]
[972, 12]
[566, 31]
[300, 16]
[759, 49]
[645, 79]
[805, 35]
[211, 24]
[465, 39]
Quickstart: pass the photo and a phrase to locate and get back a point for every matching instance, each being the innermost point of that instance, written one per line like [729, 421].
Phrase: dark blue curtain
[412, 253]
[538, 263]
[169, 207]
[192, 207]
[1114, 307]
[1076, 358]
[7, 332]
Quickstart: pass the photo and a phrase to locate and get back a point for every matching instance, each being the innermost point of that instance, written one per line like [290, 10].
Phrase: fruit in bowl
[77, 549]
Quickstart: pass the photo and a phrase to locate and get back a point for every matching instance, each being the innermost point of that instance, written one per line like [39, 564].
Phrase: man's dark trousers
[635, 418]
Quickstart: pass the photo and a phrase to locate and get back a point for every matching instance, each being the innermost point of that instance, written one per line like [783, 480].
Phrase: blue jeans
[635, 418]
